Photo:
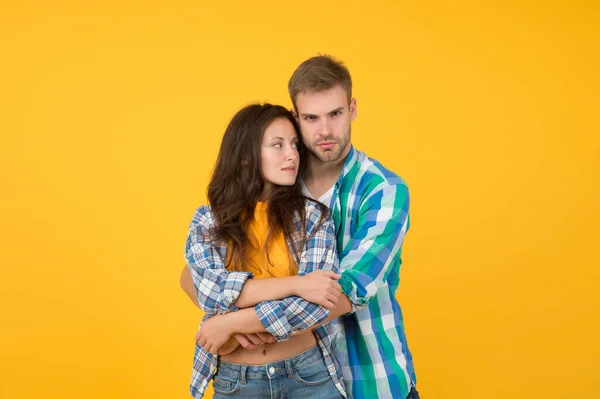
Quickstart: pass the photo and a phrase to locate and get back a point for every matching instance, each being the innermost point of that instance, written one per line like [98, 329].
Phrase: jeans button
[271, 370]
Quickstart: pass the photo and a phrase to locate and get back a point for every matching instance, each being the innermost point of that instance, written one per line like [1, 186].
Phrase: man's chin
[328, 156]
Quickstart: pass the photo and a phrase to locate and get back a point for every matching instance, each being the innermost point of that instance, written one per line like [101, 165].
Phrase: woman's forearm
[267, 289]
[253, 292]
[245, 321]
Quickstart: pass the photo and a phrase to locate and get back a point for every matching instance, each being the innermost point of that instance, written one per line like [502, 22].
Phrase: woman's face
[279, 158]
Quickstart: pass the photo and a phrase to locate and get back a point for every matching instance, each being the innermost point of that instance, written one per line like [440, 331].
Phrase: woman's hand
[252, 341]
[216, 336]
[246, 341]
[214, 333]
[320, 287]
[229, 346]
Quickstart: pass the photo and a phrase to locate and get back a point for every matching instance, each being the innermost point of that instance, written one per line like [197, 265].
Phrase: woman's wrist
[296, 286]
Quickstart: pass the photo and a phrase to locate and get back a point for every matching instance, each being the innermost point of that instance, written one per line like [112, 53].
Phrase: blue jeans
[303, 376]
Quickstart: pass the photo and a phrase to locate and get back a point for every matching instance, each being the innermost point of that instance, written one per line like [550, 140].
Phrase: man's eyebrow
[305, 114]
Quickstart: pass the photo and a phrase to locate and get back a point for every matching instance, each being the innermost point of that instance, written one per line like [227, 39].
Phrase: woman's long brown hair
[237, 184]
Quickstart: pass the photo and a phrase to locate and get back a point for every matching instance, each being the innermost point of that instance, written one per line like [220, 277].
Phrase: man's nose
[325, 128]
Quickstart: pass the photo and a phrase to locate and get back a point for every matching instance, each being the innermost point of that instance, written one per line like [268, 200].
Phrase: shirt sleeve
[375, 247]
[283, 317]
[217, 289]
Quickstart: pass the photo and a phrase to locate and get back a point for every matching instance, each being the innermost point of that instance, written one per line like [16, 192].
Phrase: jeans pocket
[314, 374]
[225, 386]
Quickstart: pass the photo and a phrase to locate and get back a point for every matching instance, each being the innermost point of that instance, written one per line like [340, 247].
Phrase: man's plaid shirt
[218, 289]
[370, 207]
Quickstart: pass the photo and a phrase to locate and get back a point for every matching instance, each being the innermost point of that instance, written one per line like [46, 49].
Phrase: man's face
[325, 118]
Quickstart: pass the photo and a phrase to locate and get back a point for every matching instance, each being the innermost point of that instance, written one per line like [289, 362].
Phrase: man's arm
[375, 248]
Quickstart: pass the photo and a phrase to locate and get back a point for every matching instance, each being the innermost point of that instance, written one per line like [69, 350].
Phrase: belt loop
[243, 370]
[217, 365]
[289, 368]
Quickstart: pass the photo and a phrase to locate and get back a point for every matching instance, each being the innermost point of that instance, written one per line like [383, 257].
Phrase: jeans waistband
[273, 369]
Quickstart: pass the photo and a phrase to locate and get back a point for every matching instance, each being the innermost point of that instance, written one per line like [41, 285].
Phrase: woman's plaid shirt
[218, 289]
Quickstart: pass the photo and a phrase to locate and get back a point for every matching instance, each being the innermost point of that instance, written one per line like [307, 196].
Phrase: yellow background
[111, 115]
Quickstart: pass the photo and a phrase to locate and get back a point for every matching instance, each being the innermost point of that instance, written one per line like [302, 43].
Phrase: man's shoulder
[370, 174]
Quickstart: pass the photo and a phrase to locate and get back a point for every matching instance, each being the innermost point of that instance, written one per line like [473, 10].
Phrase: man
[370, 207]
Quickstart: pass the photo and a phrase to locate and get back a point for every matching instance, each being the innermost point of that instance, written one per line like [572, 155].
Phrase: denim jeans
[413, 394]
[303, 376]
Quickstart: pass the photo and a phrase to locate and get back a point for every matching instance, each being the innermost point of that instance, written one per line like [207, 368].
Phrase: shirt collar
[348, 164]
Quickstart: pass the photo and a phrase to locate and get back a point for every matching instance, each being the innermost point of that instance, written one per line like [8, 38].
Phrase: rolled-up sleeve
[216, 289]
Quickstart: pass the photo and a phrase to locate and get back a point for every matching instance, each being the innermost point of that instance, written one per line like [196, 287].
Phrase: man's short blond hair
[319, 73]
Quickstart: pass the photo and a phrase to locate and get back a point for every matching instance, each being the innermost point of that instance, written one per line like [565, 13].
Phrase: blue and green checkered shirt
[370, 208]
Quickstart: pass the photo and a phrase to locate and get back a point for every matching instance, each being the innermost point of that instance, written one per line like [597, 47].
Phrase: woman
[262, 259]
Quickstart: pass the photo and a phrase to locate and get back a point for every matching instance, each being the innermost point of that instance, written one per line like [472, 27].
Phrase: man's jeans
[413, 394]
[303, 376]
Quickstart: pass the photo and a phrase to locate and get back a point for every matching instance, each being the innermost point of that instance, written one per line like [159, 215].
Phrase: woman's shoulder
[203, 217]
[316, 213]
[314, 207]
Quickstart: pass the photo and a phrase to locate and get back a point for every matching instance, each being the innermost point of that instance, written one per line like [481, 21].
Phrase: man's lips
[326, 144]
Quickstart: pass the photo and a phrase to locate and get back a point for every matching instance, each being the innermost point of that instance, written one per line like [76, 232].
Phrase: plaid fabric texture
[218, 289]
[370, 207]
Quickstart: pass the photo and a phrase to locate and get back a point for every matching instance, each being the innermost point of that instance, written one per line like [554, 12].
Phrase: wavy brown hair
[237, 183]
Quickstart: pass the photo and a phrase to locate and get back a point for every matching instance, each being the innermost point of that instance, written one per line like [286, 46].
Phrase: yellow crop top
[279, 253]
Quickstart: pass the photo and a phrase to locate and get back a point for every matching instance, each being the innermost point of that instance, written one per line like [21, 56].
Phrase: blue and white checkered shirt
[218, 289]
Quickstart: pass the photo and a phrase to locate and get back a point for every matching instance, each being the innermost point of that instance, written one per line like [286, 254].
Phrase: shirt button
[271, 370]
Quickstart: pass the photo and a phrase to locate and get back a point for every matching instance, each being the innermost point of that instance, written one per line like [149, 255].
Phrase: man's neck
[321, 176]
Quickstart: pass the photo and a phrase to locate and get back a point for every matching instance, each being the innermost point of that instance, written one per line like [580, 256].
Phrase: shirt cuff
[231, 288]
[273, 320]
[349, 289]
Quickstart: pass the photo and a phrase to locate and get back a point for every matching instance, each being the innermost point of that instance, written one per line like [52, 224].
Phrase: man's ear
[353, 109]
[293, 111]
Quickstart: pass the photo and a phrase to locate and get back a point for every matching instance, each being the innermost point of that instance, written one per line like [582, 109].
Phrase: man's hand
[320, 287]
[214, 332]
